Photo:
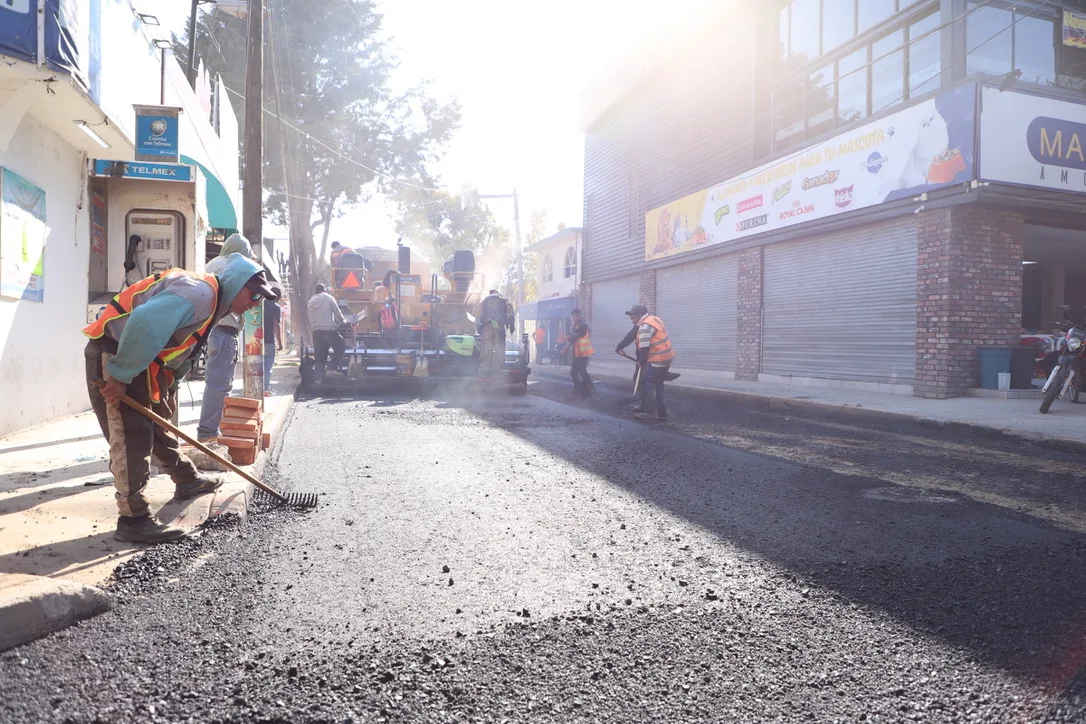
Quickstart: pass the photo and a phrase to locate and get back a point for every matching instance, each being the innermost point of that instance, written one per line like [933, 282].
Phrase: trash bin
[1023, 360]
[991, 361]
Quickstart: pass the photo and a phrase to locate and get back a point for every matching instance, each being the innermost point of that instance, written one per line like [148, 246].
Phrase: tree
[336, 133]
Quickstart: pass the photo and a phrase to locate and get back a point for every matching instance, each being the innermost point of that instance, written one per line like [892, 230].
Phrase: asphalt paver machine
[410, 323]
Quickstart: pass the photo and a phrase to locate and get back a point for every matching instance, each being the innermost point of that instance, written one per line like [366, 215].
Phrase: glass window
[783, 52]
[789, 109]
[1035, 49]
[820, 101]
[873, 12]
[852, 87]
[988, 40]
[571, 263]
[804, 29]
[887, 71]
[548, 269]
[838, 23]
[924, 56]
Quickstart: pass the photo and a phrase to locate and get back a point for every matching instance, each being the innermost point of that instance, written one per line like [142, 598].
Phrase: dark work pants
[132, 438]
[578, 372]
[652, 384]
[323, 340]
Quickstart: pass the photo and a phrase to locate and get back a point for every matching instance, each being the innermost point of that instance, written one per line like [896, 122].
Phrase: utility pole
[252, 202]
[190, 69]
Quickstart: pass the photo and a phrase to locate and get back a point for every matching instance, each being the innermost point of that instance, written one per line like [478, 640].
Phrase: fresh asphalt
[524, 559]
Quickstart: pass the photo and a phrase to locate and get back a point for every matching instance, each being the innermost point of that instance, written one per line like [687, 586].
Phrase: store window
[804, 31]
[820, 101]
[810, 28]
[570, 269]
[925, 56]
[838, 23]
[548, 269]
[887, 75]
[1002, 39]
[872, 12]
[790, 108]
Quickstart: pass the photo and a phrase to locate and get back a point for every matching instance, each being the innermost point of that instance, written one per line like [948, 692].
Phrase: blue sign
[19, 30]
[156, 135]
[1057, 141]
[554, 308]
[142, 169]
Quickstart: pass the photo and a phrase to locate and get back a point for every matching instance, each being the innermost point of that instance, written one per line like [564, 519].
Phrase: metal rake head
[294, 500]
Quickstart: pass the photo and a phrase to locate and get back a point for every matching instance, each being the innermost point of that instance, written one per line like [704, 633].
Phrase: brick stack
[242, 429]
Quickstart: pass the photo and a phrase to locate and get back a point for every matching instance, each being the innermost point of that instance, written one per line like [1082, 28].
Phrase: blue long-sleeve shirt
[147, 332]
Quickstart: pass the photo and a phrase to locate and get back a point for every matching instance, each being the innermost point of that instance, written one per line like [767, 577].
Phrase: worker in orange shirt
[540, 337]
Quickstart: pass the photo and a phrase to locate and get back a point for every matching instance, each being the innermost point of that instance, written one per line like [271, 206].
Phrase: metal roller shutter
[697, 302]
[610, 300]
[843, 306]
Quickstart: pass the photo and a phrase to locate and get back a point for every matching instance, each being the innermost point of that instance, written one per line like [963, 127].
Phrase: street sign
[137, 169]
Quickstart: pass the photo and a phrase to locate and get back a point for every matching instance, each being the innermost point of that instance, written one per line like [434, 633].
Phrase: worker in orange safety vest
[654, 356]
[580, 341]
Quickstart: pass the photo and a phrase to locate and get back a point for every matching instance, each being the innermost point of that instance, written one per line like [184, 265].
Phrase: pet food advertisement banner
[1032, 141]
[921, 148]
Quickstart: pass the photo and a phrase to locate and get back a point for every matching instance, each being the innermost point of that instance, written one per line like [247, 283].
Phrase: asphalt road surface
[521, 559]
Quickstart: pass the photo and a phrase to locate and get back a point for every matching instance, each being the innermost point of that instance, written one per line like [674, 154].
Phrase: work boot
[189, 489]
[649, 416]
[145, 529]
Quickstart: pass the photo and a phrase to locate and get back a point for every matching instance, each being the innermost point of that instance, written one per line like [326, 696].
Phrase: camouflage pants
[492, 359]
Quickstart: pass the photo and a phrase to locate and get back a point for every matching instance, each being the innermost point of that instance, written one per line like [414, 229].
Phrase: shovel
[297, 500]
[667, 378]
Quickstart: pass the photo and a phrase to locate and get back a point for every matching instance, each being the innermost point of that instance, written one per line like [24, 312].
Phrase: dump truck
[410, 322]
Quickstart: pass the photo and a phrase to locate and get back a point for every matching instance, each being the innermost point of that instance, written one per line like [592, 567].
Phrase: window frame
[1052, 13]
[569, 268]
[547, 269]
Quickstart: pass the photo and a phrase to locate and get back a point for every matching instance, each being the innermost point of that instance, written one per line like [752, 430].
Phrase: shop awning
[221, 213]
[558, 308]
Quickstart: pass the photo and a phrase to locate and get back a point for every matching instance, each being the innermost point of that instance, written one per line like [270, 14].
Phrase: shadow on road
[1003, 587]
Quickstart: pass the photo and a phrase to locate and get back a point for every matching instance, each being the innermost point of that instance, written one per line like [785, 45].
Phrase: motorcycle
[1065, 380]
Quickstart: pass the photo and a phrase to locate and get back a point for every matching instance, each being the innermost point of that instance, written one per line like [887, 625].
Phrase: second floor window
[548, 269]
[570, 270]
[1000, 39]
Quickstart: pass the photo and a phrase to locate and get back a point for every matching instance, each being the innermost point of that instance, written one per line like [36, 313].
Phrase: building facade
[558, 281]
[72, 193]
[852, 193]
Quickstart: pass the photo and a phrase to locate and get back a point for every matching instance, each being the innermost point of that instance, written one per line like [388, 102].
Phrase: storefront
[879, 250]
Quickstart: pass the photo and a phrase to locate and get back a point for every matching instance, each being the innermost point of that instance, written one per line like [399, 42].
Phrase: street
[523, 559]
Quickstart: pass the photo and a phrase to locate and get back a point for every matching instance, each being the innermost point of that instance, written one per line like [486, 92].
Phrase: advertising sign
[22, 238]
[156, 134]
[158, 171]
[1032, 141]
[1074, 29]
[921, 148]
[19, 29]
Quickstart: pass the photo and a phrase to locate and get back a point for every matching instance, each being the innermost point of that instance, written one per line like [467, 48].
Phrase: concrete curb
[35, 606]
[858, 413]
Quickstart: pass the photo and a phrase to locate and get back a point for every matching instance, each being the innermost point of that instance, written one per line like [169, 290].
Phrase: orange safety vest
[584, 346]
[123, 304]
[659, 346]
[540, 335]
[337, 253]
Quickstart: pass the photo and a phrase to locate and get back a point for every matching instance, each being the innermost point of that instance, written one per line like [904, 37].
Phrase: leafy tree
[336, 133]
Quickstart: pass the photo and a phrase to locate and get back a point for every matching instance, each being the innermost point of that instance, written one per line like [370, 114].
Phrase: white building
[72, 192]
[558, 279]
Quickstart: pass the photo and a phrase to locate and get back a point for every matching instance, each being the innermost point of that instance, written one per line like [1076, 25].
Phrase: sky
[518, 69]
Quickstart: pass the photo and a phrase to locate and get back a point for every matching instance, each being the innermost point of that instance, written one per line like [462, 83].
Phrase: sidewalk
[58, 514]
[1064, 427]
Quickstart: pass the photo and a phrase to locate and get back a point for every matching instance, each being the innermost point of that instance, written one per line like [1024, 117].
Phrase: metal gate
[843, 305]
[697, 302]
[610, 300]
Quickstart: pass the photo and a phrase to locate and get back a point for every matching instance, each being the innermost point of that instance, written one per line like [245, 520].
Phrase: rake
[296, 500]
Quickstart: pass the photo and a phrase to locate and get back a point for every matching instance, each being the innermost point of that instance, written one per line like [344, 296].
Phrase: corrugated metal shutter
[610, 300]
[697, 302]
[843, 305]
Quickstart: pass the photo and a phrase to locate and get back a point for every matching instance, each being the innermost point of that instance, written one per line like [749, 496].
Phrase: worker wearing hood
[222, 348]
[142, 345]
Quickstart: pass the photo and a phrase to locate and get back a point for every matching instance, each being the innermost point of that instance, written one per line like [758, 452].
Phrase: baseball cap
[258, 284]
[638, 309]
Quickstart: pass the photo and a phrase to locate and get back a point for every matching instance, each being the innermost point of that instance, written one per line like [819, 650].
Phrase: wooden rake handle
[167, 425]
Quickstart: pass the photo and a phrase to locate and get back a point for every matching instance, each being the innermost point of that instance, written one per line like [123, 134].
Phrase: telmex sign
[1032, 141]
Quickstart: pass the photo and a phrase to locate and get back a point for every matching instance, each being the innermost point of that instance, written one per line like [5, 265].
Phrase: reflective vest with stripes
[584, 346]
[659, 346]
[183, 342]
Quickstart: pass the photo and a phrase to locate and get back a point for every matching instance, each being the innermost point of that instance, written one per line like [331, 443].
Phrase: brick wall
[584, 300]
[969, 293]
[647, 294]
[748, 354]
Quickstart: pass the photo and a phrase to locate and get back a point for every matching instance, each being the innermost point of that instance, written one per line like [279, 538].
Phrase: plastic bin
[991, 361]
[1023, 360]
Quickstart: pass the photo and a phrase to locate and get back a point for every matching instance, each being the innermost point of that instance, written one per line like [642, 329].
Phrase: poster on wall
[1028, 140]
[19, 29]
[22, 238]
[1074, 29]
[921, 148]
[98, 223]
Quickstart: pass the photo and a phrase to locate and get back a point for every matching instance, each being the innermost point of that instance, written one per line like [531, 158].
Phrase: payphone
[155, 243]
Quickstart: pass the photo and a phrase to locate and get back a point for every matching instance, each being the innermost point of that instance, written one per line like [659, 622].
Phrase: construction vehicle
[407, 321]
